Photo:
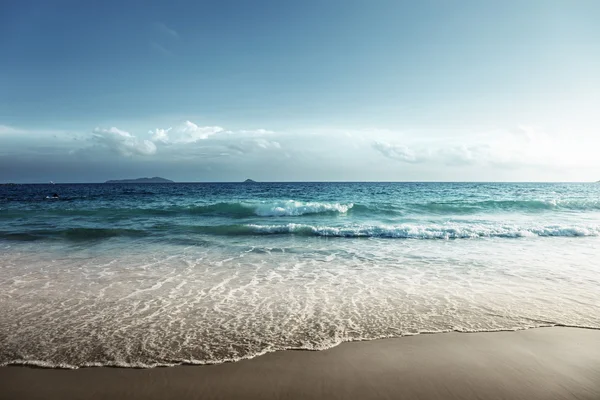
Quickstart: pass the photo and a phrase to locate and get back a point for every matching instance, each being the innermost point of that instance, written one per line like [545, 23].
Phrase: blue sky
[306, 90]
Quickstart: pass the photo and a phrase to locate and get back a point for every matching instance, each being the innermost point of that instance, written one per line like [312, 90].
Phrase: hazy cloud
[463, 155]
[165, 32]
[250, 145]
[523, 147]
[8, 130]
[123, 142]
[163, 28]
[258, 132]
[396, 152]
[160, 48]
[267, 144]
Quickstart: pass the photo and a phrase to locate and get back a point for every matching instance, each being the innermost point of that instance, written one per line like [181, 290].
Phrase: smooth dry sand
[545, 363]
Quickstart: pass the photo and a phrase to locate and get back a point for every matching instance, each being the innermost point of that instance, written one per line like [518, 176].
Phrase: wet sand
[544, 363]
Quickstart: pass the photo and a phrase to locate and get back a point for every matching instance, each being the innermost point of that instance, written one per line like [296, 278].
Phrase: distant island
[155, 179]
[249, 181]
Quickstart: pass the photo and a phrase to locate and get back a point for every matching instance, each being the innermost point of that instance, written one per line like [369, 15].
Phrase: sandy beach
[544, 363]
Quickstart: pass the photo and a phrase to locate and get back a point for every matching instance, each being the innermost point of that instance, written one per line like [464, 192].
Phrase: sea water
[162, 274]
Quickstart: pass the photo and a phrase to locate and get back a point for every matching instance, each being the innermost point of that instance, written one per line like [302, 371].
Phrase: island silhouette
[155, 179]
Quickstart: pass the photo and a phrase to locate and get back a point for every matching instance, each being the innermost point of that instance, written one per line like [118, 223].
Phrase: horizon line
[260, 182]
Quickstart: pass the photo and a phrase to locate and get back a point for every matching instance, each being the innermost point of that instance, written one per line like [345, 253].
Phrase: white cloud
[123, 142]
[191, 141]
[160, 135]
[188, 132]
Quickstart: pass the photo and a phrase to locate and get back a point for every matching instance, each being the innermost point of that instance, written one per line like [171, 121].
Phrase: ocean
[143, 275]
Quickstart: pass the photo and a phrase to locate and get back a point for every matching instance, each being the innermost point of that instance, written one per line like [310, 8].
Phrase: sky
[326, 90]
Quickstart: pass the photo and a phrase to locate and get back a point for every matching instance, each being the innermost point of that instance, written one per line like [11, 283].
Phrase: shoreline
[537, 363]
[198, 363]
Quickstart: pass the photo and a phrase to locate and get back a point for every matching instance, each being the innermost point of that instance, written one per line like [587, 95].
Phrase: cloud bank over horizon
[187, 151]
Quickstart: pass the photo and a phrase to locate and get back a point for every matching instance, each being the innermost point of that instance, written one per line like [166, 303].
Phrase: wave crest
[295, 208]
[404, 231]
[271, 209]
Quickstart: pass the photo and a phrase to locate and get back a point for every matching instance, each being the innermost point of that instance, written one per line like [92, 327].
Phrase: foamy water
[160, 280]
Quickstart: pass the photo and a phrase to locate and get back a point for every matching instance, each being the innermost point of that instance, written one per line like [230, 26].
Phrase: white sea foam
[149, 306]
[192, 361]
[430, 231]
[295, 208]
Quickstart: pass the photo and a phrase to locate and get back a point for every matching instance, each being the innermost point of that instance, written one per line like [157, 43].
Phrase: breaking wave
[402, 231]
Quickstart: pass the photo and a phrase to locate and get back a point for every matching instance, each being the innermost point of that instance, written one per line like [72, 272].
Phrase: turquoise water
[160, 274]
